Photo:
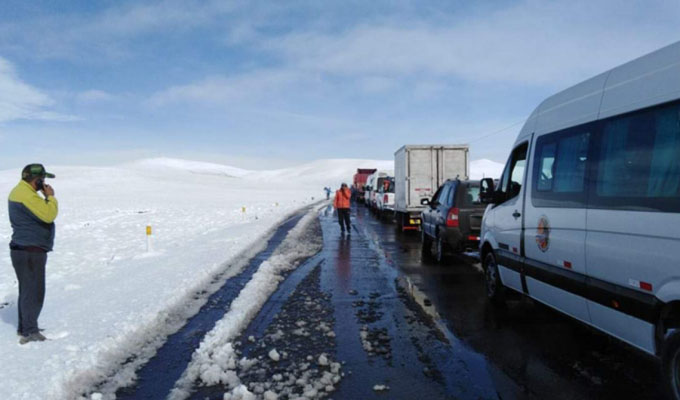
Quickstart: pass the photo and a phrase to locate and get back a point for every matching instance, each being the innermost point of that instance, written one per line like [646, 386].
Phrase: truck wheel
[670, 364]
[494, 287]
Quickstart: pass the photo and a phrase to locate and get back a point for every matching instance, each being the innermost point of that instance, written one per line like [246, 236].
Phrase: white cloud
[18, 100]
[538, 43]
[95, 96]
[220, 90]
[547, 45]
[105, 35]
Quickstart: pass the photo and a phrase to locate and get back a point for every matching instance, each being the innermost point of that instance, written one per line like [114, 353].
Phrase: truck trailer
[418, 171]
[359, 181]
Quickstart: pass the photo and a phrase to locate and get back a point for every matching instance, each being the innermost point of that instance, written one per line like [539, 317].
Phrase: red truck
[359, 182]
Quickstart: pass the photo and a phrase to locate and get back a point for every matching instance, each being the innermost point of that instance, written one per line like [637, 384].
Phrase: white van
[586, 216]
[374, 183]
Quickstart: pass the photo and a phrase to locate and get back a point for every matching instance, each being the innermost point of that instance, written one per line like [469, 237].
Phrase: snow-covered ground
[104, 288]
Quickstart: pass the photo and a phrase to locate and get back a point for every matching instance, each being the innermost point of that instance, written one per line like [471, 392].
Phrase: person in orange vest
[341, 204]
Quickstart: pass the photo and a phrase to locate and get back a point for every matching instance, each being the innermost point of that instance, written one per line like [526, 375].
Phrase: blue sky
[267, 84]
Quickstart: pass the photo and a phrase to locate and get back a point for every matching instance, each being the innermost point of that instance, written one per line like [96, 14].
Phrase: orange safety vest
[342, 197]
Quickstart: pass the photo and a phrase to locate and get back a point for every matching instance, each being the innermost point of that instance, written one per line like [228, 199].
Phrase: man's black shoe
[33, 337]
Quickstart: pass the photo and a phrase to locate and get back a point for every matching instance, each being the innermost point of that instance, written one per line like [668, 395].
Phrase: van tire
[495, 291]
[670, 364]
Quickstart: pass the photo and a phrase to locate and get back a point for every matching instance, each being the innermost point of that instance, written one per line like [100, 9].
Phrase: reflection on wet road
[530, 351]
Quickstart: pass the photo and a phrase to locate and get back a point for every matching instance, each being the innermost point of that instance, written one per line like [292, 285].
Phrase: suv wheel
[670, 364]
[426, 245]
[438, 250]
[494, 287]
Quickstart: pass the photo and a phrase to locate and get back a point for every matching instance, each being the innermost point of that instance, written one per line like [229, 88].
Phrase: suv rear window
[470, 196]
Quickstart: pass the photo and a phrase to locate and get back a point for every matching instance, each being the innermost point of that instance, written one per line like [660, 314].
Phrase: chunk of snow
[274, 355]
[240, 393]
[269, 395]
[323, 360]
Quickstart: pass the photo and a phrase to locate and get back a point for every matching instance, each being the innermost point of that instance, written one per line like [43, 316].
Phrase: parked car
[385, 198]
[452, 219]
[418, 171]
[586, 217]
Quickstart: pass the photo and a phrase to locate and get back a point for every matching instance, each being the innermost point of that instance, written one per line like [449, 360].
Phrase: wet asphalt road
[421, 330]
[528, 350]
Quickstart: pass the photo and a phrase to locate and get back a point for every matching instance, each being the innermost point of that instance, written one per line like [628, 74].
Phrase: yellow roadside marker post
[148, 238]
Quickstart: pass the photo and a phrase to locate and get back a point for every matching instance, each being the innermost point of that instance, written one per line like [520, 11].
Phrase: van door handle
[516, 214]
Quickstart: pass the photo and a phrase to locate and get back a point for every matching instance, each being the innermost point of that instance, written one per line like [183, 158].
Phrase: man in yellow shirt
[32, 218]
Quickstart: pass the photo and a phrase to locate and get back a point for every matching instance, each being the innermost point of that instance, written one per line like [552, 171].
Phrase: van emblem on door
[543, 234]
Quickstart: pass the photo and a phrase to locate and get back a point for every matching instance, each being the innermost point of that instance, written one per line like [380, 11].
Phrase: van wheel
[495, 290]
[670, 364]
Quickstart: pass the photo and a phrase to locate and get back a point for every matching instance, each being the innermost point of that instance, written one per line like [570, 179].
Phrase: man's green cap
[35, 171]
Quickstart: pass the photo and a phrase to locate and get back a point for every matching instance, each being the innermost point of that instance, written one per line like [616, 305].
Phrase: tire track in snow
[118, 367]
[211, 362]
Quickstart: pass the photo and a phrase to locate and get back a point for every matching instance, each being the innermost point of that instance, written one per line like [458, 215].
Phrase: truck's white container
[419, 170]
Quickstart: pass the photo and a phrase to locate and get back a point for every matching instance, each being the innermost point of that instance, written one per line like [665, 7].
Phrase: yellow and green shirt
[32, 217]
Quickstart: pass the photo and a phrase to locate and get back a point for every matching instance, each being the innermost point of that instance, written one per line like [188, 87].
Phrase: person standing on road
[328, 192]
[341, 204]
[32, 218]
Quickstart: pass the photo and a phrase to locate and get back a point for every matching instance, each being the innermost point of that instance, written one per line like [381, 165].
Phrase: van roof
[644, 82]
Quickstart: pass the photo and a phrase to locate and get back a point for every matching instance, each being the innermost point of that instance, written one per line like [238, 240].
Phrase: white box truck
[418, 171]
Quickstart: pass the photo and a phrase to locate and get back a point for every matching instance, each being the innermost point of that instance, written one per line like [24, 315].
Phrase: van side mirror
[424, 202]
[487, 191]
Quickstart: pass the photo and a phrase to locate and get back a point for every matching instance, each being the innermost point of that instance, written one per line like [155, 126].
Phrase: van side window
[639, 161]
[513, 176]
[560, 165]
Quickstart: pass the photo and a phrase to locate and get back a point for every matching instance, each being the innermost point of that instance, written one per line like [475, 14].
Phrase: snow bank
[215, 360]
[107, 297]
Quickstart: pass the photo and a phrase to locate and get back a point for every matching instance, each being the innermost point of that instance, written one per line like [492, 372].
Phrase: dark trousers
[343, 217]
[30, 269]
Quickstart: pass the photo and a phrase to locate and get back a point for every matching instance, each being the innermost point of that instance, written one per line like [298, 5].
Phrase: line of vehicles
[428, 191]
[585, 217]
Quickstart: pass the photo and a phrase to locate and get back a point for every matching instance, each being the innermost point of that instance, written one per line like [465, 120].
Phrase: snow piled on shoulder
[107, 297]
[215, 360]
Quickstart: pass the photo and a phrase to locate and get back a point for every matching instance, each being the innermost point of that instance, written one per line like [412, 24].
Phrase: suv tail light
[452, 218]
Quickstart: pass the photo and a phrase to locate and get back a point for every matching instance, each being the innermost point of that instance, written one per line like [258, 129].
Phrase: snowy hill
[484, 168]
[321, 172]
[313, 174]
[178, 165]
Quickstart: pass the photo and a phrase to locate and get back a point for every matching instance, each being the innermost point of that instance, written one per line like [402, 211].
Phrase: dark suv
[453, 219]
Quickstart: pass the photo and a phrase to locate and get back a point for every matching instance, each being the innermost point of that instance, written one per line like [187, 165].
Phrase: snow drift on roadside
[215, 359]
[103, 288]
